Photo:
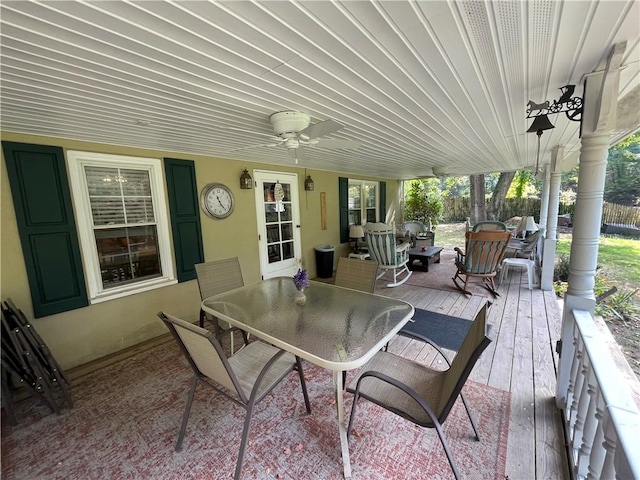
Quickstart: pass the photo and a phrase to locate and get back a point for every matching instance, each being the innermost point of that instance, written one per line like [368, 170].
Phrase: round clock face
[216, 200]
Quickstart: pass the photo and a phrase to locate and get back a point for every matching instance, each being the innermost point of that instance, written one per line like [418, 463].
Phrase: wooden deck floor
[521, 359]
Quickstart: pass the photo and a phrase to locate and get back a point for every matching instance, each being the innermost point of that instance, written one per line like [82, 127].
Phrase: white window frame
[363, 207]
[76, 161]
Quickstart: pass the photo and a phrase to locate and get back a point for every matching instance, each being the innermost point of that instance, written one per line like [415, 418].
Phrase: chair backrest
[203, 352]
[490, 225]
[218, 276]
[484, 251]
[455, 377]
[415, 226]
[381, 242]
[356, 274]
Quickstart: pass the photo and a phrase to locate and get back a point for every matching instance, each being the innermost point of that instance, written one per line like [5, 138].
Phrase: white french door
[278, 216]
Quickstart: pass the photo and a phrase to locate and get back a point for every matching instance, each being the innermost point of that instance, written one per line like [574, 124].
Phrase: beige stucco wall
[80, 336]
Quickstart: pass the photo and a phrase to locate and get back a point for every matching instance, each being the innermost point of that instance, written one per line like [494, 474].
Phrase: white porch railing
[601, 418]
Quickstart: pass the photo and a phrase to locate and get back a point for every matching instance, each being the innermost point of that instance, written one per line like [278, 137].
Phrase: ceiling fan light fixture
[289, 122]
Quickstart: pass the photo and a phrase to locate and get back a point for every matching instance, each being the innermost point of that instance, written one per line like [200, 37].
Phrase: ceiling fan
[294, 131]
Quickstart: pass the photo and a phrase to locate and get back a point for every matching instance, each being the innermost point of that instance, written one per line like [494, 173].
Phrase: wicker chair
[482, 256]
[245, 378]
[356, 274]
[381, 241]
[217, 277]
[417, 392]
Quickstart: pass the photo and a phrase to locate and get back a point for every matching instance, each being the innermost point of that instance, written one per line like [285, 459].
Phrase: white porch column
[598, 122]
[551, 230]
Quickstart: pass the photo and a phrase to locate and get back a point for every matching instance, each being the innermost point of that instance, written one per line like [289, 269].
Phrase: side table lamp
[356, 232]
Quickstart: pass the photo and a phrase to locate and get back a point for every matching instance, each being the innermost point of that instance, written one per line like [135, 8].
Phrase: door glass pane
[274, 253]
[287, 231]
[270, 215]
[285, 214]
[273, 233]
[287, 250]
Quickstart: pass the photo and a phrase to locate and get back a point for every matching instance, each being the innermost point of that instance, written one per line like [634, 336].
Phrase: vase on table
[300, 298]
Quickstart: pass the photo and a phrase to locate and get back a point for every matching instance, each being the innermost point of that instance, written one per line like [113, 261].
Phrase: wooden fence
[458, 209]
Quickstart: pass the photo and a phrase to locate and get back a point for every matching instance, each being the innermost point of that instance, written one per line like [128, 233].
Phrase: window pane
[107, 210]
[127, 255]
[101, 181]
[354, 217]
[371, 215]
[139, 210]
[354, 197]
[370, 195]
[135, 182]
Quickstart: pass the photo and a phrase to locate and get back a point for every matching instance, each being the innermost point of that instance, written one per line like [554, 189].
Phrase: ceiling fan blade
[336, 143]
[273, 144]
[321, 129]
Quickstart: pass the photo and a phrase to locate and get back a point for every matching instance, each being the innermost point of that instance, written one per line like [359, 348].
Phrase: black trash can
[324, 260]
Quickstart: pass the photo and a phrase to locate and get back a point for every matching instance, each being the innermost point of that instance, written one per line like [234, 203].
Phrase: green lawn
[618, 257]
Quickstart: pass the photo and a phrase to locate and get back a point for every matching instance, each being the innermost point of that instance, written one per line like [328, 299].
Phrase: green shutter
[185, 216]
[383, 202]
[44, 214]
[343, 202]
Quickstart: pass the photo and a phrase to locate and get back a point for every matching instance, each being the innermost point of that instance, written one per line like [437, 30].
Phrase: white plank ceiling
[425, 86]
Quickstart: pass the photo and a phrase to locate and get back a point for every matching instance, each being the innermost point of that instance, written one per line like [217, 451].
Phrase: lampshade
[527, 224]
[356, 231]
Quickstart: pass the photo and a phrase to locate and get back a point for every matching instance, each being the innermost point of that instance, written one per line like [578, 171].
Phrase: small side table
[360, 256]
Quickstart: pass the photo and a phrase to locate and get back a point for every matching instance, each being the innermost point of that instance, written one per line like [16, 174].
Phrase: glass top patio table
[337, 328]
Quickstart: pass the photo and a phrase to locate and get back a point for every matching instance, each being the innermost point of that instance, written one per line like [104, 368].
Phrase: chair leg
[473, 423]
[245, 438]
[185, 415]
[447, 451]
[353, 412]
[303, 384]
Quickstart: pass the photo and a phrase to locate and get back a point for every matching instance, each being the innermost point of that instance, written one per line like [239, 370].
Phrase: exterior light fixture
[308, 184]
[246, 182]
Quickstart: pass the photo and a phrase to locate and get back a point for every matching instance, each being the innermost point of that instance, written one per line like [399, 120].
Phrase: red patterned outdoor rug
[126, 418]
[440, 274]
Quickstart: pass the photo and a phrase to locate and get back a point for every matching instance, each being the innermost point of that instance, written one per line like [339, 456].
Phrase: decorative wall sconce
[308, 184]
[246, 182]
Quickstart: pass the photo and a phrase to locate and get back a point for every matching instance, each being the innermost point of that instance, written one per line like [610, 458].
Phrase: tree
[423, 200]
[478, 203]
[499, 195]
[623, 172]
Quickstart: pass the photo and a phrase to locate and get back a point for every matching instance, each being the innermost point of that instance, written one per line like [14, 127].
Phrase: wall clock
[216, 200]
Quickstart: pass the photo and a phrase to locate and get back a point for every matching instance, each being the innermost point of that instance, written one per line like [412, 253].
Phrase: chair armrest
[403, 247]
